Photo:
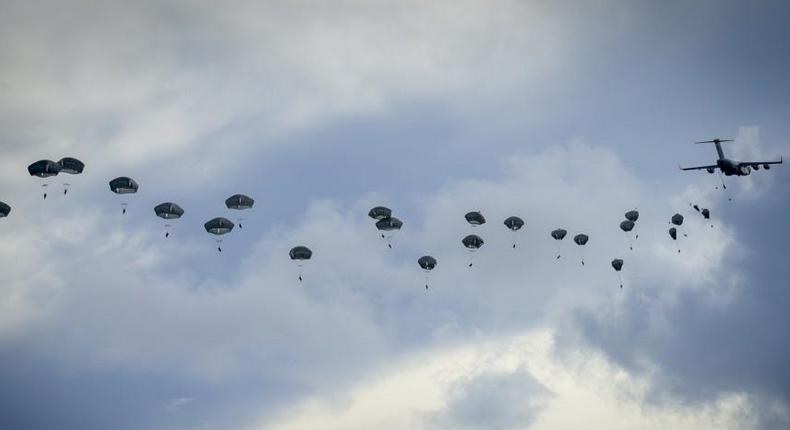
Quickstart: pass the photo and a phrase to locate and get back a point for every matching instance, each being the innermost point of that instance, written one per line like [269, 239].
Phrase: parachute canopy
[617, 264]
[581, 239]
[514, 223]
[300, 253]
[472, 241]
[632, 215]
[559, 234]
[4, 210]
[123, 185]
[427, 262]
[475, 218]
[380, 212]
[168, 210]
[239, 202]
[389, 224]
[627, 225]
[71, 165]
[677, 219]
[218, 226]
[44, 168]
[706, 213]
[673, 233]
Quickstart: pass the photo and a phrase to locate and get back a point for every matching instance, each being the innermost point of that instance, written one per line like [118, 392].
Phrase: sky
[567, 114]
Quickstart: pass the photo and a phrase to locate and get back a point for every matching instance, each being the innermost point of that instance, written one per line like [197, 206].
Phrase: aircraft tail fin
[717, 142]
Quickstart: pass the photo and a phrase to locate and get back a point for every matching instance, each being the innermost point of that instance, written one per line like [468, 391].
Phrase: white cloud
[126, 85]
[520, 385]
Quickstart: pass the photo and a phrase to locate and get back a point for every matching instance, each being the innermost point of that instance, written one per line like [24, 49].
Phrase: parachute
[514, 224]
[44, 169]
[472, 242]
[218, 226]
[617, 265]
[123, 185]
[677, 220]
[427, 263]
[388, 227]
[300, 255]
[627, 226]
[475, 218]
[380, 212]
[558, 235]
[706, 215]
[72, 166]
[632, 216]
[239, 202]
[4, 210]
[673, 233]
[168, 211]
[581, 240]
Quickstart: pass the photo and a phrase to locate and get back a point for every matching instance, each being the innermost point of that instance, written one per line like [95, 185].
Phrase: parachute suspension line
[219, 245]
[240, 221]
[123, 207]
[581, 251]
[66, 186]
[721, 177]
[471, 258]
[426, 278]
[44, 188]
[724, 186]
[558, 251]
[300, 270]
[514, 238]
[630, 243]
[167, 230]
[620, 277]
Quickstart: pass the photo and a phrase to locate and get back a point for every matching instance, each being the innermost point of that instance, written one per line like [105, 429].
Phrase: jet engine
[767, 166]
[711, 170]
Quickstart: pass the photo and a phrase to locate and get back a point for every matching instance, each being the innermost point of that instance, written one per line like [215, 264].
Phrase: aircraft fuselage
[733, 168]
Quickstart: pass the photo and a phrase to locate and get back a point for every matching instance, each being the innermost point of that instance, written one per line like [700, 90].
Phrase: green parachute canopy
[475, 218]
[380, 212]
[514, 223]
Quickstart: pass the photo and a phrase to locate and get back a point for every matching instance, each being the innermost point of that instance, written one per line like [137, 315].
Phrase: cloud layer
[561, 114]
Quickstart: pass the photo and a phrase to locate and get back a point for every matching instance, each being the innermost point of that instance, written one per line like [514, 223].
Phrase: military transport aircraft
[731, 167]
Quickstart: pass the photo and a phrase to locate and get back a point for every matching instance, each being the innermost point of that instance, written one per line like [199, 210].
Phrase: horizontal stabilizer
[716, 141]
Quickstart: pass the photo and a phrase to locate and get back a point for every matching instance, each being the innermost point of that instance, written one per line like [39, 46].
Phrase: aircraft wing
[760, 163]
[712, 166]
